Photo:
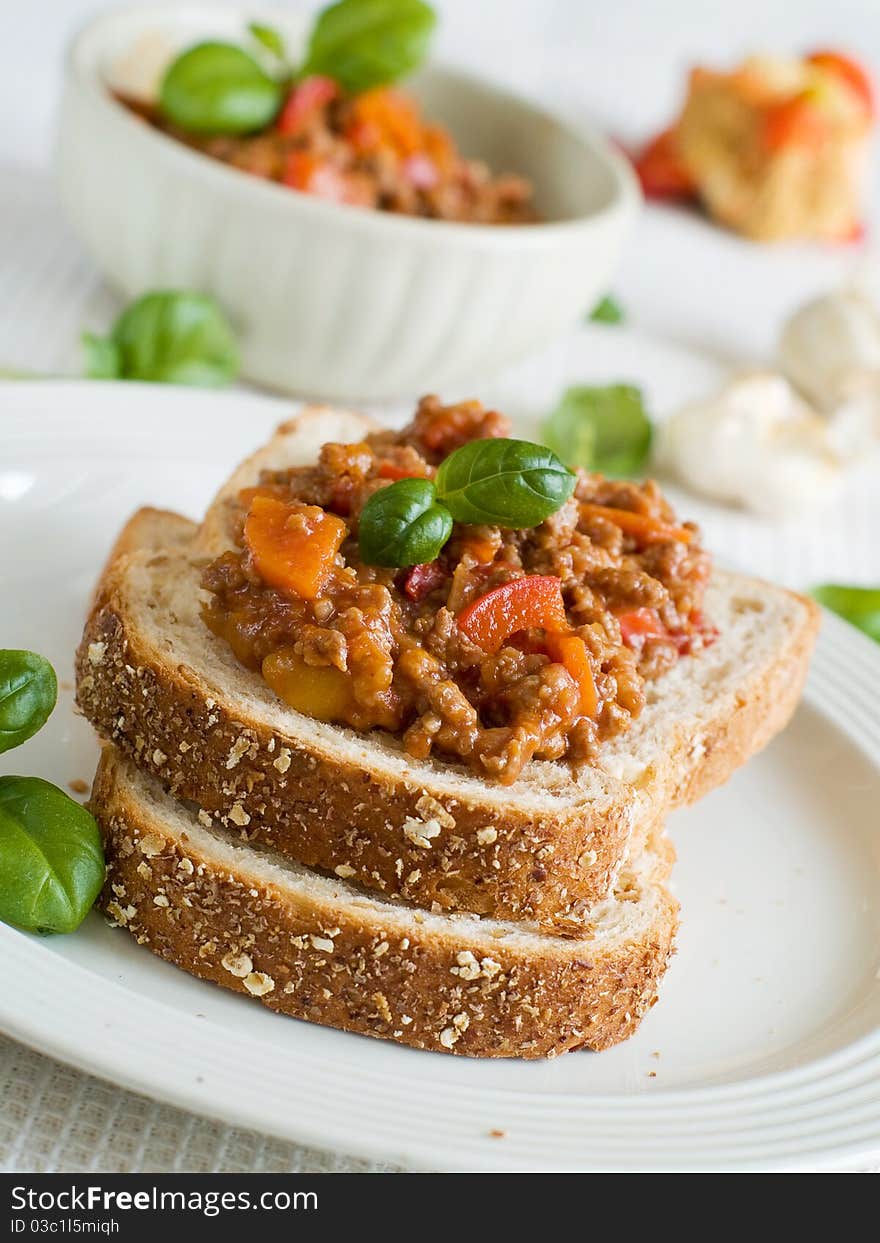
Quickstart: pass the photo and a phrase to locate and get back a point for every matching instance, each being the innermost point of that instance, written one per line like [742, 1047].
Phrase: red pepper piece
[520, 604]
[661, 171]
[420, 580]
[638, 626]
[304, 102]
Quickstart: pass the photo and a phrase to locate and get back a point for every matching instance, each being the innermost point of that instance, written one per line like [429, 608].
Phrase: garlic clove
[831, 346]
[755, 443]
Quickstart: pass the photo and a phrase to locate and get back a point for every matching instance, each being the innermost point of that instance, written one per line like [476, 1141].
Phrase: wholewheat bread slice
[154, 680]
[321, 949]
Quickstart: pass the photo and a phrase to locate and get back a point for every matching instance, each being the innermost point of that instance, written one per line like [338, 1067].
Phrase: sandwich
[306, 714]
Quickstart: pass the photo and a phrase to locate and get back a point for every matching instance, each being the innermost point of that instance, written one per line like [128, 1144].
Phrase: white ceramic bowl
[334, 300]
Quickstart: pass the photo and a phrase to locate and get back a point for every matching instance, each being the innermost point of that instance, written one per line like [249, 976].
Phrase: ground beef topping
[377, 648]
[369, 150]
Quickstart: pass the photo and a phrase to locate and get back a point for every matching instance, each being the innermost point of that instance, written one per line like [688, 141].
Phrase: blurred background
[620, 66]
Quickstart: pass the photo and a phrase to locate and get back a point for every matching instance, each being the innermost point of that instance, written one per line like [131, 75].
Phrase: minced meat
[368, 150]
[401, 662]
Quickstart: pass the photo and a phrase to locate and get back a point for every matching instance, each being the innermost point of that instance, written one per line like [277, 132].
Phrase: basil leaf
[51, 859]
[102, 357]
[217, 88]
[28, 691]
[608, 311]
[403, 524]
[364, 43]
[604, 429]
[506, 483]
[171, 338]
[269, 38]
[860, 606]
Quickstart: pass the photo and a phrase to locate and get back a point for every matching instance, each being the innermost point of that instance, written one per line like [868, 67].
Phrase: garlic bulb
[830, 348]
[756, 444]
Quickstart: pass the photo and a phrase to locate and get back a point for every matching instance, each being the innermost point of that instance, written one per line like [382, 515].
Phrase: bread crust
[392, 834]
[762, 711]
[348, 966]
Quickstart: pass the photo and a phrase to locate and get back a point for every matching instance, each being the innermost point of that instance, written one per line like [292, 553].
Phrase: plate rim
[838, 645]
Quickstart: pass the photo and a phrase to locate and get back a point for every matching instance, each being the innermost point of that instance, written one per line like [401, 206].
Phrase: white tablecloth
[623, 65]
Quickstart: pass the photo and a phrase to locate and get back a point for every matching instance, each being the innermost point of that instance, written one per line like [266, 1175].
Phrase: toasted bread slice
[321, 949]
[153, 679]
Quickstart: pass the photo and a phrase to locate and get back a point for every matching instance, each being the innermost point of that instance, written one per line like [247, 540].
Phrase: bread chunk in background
[776, 149]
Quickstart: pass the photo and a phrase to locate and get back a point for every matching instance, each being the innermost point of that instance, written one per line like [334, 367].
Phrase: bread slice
[156, 682]
[321, 949]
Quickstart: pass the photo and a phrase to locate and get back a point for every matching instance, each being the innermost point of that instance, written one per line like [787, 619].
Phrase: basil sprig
[218, 88]
[28, 691]
[403, 524]
[505, 483]
[366, 43]
[860, 606]
[166, 337]
[603, 429]
[51, 860]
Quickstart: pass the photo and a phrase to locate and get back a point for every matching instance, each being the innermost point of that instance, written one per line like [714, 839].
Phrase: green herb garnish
[403, 524]
[608, 311]
[51, 860]
[166, 338]
[269, 38]
[602, 429]
[505, 483]
[102, 359]
[28, 691]
[218, 88]
[860, 606]
[366, 43]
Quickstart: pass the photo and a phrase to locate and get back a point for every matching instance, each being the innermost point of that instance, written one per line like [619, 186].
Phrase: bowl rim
[624, 199]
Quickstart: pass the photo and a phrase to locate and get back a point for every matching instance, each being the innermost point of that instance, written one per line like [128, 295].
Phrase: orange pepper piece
[640, 526]
[481, 549]
[293, 546]
[246, 495]
[383, 117]
[570, 651]
[440, 148]
[520, 604]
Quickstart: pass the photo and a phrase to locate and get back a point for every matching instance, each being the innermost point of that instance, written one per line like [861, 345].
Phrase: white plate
[765, 1049]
